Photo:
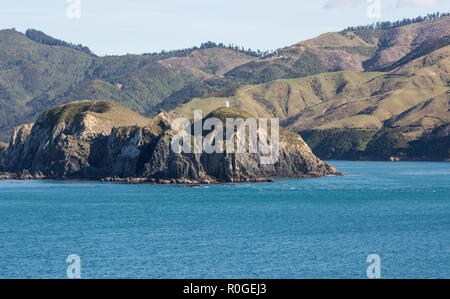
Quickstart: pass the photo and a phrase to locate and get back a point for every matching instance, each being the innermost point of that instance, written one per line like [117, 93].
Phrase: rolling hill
[350, 50]
[406, 96]
[39, 72]
[412, 99]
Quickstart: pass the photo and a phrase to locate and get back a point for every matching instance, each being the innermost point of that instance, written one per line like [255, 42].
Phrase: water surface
[310, 228]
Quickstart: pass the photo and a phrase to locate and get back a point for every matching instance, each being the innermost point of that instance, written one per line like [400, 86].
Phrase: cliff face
[3, 148]
[103, 140]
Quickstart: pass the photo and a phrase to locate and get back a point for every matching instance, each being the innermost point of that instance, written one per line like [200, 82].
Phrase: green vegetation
[258, 72]
[224, 113]
[113, 112]
[212, 45]
[281, 98]
[41, 37]
[33, 77]
[68, 113]
[392, 25]
[356, 144]
[360, 50]
[434, 146]
[39, 72]
[345, 144]
[347, 115]
[369, 36]
[415, 95]
[387, 143]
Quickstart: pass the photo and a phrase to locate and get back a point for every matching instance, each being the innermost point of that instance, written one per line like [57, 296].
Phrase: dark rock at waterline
[3, 148]
[104, 140]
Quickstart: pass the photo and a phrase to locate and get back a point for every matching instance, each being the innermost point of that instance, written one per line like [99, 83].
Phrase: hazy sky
[138, 26]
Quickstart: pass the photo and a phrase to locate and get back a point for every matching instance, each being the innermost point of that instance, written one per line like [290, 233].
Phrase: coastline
[7, 176]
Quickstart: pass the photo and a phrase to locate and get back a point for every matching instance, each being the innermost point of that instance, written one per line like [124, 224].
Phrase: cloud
[417, 2]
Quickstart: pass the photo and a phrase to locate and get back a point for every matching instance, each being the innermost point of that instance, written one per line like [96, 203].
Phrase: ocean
[294, 228]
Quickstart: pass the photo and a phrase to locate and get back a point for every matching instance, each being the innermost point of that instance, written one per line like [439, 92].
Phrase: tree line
[391, 25]
[42, 38]
[211, 45]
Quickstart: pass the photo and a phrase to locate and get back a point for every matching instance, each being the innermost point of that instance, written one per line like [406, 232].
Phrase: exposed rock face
[442, 131]
[3, 148]
[81, 141]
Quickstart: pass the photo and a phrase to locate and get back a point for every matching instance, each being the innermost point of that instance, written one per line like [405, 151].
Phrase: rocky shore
[180, 181]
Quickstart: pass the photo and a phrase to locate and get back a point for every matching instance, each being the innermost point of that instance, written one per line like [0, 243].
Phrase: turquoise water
[311, 228]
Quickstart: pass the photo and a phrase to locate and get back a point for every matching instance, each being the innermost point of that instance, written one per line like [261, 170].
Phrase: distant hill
[406, 96]
[358, 51]
[385, 25]
[33, 75]
[411, 100]
[41, 37]
[39, 72]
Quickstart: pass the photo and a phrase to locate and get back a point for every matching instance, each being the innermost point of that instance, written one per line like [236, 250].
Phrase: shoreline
[6, 176]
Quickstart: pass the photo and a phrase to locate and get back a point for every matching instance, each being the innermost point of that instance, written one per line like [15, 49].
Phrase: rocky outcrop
[79, 140]
[3, 148]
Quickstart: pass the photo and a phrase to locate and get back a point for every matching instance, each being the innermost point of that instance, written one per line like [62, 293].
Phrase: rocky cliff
[104, 140]
[3, 148]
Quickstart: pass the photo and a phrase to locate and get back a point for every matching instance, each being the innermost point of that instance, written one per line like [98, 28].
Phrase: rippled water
[310, 228]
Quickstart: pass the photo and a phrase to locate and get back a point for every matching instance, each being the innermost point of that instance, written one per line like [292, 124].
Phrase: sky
[117, 27]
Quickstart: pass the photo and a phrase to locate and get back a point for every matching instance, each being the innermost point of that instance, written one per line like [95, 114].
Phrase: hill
[412, 99]
[408, 96]
[41, 37]
[355, 50]
[33, 74]
[106, 112]
[39, 72]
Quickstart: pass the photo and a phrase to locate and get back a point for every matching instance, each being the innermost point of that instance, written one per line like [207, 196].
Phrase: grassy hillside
[349, 114]
[414, 95]
[281, 98]
[31, 74]
[355, 50]
[110, 112]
